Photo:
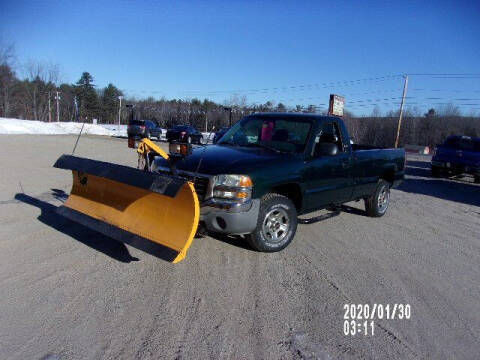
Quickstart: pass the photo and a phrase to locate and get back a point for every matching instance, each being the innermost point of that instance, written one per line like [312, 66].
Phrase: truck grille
[200, 183]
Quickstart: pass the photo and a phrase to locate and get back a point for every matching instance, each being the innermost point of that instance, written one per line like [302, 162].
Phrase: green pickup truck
[271, 167]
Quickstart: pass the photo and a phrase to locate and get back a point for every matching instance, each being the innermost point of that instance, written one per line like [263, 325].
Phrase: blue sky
[216, 49]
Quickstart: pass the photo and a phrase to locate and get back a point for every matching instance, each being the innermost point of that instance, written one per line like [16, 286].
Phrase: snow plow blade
[155, 213]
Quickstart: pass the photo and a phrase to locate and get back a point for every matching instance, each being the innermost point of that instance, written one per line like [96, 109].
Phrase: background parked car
[457, 155]
[219, 134]
[143, 128]
[185, 133]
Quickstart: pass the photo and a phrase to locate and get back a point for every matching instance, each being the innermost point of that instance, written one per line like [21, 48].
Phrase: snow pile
[16, 126]
[208, 137]
[115, 128]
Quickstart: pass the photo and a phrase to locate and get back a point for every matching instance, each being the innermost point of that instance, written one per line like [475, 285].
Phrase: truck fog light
[221, 223]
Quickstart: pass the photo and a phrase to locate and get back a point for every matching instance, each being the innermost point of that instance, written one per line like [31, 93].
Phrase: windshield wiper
[264, 147]
[227, 143]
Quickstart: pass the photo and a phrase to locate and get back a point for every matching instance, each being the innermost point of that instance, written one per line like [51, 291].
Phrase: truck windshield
[282, 134]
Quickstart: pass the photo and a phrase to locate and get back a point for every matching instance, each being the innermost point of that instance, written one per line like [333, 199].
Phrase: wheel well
[389, 176]
[292, 191]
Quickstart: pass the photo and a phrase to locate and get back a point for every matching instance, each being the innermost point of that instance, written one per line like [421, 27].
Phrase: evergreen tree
[87, 97]
[110, 103]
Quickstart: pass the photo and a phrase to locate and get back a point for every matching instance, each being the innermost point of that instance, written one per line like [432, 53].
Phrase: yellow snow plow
[153, 212]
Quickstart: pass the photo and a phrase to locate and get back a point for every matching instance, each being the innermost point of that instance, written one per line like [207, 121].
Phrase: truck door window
[330, 133]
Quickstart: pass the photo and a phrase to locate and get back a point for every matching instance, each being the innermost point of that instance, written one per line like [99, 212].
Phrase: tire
[275, 210]
[377, 204]
[435, 171]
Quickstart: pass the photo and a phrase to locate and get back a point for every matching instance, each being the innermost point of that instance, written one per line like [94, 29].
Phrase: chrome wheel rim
[383, 198]
[275, 225]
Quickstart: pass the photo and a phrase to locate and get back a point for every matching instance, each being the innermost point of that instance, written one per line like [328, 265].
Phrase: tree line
[35, 98]
[428, 129]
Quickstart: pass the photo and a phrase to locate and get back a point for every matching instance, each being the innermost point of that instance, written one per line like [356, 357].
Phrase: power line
[447, 90]
[440, 74]
[280, 94]
[302, 87]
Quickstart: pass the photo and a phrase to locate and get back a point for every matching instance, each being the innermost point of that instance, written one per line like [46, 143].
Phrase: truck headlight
[232, 187]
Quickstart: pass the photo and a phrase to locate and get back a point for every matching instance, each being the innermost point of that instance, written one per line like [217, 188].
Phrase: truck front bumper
[457, 167]
[230, 218]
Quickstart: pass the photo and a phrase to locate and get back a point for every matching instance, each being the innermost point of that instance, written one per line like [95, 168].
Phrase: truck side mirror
[327, 149]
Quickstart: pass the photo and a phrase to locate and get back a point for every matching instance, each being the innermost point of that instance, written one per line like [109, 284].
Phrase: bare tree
[7, 53]
[43, 79]
[449, 110]
[376, 112]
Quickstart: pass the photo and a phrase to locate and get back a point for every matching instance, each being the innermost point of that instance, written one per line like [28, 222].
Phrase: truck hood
[225, 159]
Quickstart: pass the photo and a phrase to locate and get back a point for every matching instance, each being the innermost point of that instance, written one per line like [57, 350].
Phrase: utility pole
[49, 109]
[405, 85]
[119, 112]
[57, 97]
[229, 109]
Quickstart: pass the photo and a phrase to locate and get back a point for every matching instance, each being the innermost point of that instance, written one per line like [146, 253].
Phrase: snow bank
[16, 126]
[115, 129]
[208, 137]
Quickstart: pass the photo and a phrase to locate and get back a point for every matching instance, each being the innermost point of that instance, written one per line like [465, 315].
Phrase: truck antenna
[76, 119]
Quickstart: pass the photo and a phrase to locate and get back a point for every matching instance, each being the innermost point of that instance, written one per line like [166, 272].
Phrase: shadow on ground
[83, 234]
[234, 240]
[453, 188]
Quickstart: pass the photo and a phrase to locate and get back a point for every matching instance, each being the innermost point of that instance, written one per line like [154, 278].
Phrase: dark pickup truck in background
[269, 168]
[457, 155]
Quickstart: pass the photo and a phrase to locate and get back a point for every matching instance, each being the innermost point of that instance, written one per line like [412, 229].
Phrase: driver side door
[327, 177]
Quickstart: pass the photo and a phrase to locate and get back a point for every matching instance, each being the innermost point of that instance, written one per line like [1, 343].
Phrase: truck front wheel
[276, 224]
[377, 204]
[436, 171]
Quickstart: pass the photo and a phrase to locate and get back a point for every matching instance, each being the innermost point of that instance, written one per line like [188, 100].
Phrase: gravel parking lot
[70, 293]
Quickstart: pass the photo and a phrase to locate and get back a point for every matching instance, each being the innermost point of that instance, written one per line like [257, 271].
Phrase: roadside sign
[336, 105]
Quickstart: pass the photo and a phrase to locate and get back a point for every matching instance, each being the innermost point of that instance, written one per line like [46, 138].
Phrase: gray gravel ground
[70, 293]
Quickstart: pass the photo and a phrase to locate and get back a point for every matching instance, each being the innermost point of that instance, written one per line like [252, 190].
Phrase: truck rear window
[464, 144]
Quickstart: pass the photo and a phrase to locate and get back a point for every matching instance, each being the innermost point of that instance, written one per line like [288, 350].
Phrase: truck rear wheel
[276, 224]
[377, 204]
[435, 171]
